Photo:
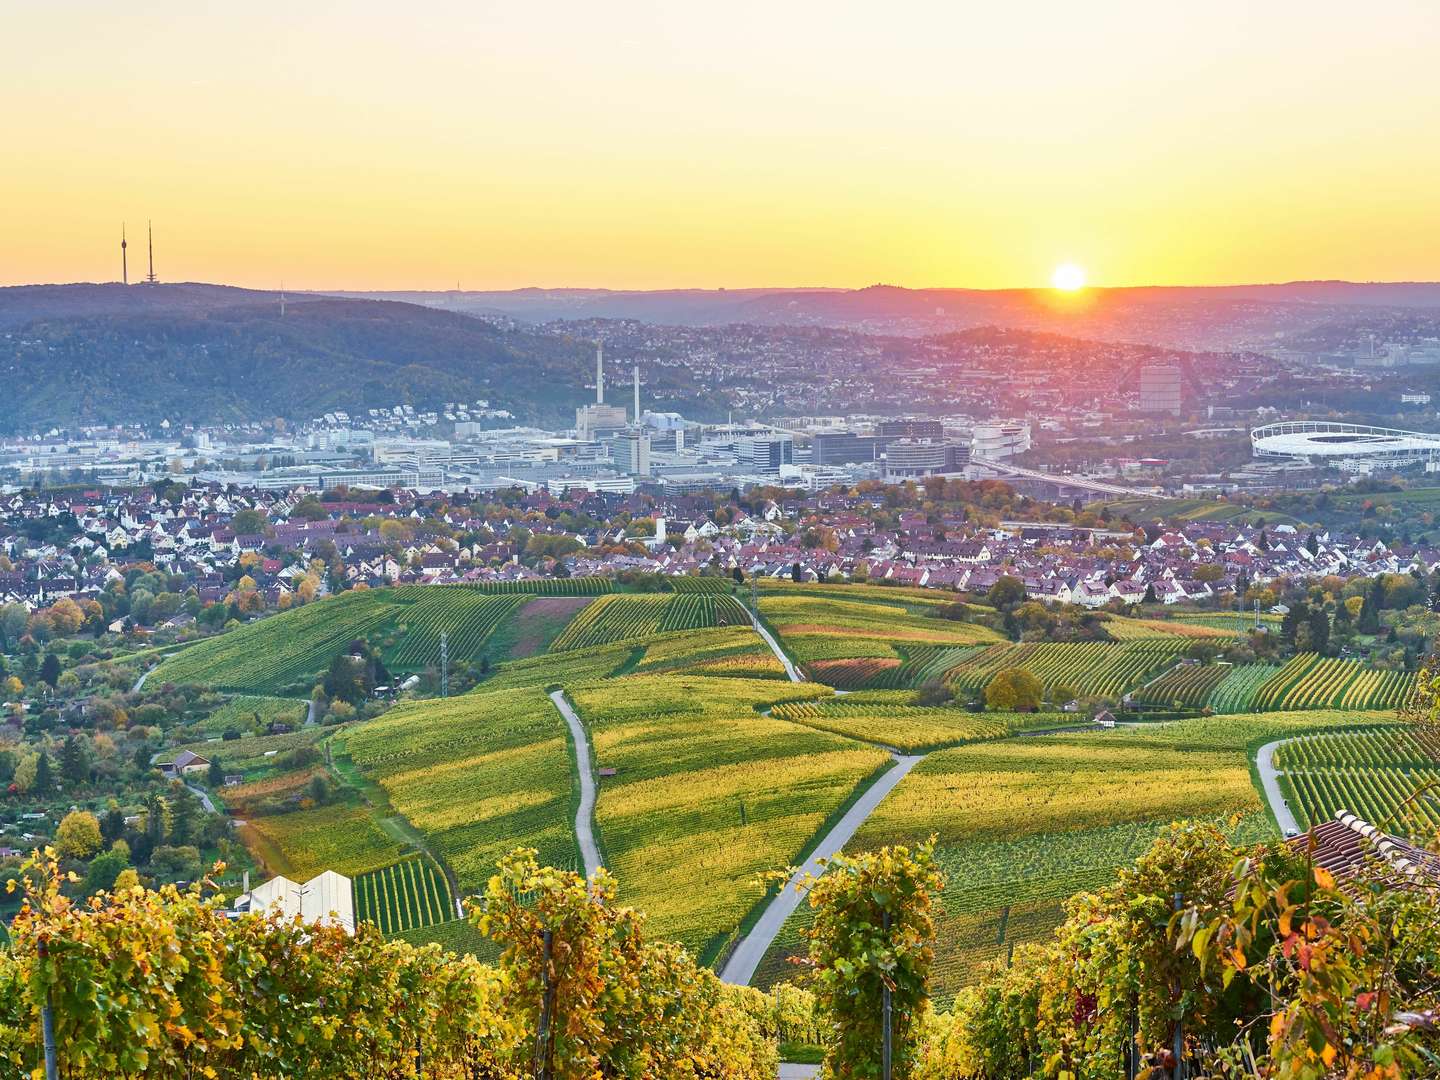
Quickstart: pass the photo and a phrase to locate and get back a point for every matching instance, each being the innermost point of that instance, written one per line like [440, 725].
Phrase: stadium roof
[1324, 439]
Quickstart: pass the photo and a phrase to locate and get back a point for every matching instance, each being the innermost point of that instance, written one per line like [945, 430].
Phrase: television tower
[599, 373]
[150, 278]
[637, 395]
[124, 259]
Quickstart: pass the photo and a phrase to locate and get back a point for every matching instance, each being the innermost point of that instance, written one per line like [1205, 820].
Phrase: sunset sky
[361, 144]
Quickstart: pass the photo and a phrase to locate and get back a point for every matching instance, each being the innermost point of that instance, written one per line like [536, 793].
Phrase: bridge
[1099, 487]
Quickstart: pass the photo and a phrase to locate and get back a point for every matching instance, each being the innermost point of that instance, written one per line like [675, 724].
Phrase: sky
[371, 145]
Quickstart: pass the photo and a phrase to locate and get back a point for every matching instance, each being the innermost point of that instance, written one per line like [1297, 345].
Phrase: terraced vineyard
[1100, 668]
[623, 618]
[404, 896]
[1370, 773]
[1310, 682]
[1189, 684]
[289, 651]
[1236, 692]
[1124, 628]
[469, 618]
[695, 610]
[277, 653]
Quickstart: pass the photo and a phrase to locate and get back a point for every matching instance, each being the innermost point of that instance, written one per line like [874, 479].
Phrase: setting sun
[1068, 277]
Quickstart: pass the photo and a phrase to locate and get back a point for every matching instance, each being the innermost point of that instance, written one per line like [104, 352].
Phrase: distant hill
[73, 355]
[1185, 316]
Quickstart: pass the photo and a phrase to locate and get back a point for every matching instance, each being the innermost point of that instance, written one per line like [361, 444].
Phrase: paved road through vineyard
[1270, 781]
[740, 967]
[585, 814]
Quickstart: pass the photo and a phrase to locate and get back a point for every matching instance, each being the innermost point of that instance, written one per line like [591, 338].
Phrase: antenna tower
[599, 373]
[150, 278]
[124, 258]
[444, 664]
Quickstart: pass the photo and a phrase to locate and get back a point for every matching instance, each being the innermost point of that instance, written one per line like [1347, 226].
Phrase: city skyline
[644, 147]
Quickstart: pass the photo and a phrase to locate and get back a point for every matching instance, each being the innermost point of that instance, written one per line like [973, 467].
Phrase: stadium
[1352, 447]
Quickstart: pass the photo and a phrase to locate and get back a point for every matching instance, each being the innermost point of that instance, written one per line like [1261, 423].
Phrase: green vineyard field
[404, 896]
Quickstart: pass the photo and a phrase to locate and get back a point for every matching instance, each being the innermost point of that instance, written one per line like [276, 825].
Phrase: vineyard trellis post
[1178, 1049]
[544, 1041]
[444, 664]
[886, 1050]
[47, 1025]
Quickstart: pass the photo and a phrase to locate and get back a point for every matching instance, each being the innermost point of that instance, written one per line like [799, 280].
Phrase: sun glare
[1068, 277]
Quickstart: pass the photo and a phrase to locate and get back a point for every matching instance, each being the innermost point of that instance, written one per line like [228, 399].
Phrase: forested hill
[200, 353]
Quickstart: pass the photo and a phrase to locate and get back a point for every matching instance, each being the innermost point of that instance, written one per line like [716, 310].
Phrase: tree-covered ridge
[247, 362]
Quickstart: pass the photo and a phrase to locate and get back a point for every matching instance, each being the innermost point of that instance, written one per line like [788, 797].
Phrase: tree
[74, 761]
[1149, 597]
[78, 836]
[105, 868]
[50, 669]
[1014, 690]
[248, 523]
[1312, 545]
[216, 775]
[44, 781]
[182, 817]
[1006, 593]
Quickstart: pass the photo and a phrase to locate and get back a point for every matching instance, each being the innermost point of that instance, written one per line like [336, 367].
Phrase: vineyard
[624, 618]
[708, 793]
[688, 584]
[476, 774]
[584, 586]
[1369, 773]
[404, 896]
[343, 837]
[1235, 693]
[1311, 682]
[468, 618]
[1189, 684]
[292, 649]
[1098, 668]
[1124, 628]
[912, 729]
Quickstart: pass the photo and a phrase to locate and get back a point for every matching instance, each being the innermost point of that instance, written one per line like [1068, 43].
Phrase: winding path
[204, 799]
[741, 965]
[585, 814]
[1270, 781]
[790, 669]
[140, 682]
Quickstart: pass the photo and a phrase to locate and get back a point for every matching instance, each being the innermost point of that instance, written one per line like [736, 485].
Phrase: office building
[911, 429]
[843, 448]
[999, 440]
[765, 453]
[1160, 389]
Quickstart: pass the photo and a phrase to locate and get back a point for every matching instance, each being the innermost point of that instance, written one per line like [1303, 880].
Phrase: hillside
[1203, 317]
[93, 354]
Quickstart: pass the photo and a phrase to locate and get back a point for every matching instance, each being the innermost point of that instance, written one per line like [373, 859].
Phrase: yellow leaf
[1328, 1055]
[1324, 878]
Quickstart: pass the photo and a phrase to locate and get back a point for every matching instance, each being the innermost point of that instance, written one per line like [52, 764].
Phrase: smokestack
[637, 395]
[599, 373]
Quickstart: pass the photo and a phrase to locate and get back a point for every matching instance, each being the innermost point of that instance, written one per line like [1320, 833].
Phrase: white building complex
[327, 897]
[1348, 447]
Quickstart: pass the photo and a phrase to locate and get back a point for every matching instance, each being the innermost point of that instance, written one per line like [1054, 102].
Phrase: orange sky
[645, 145]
